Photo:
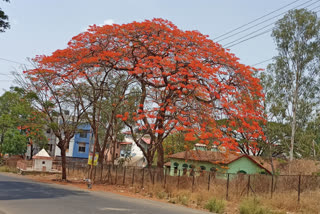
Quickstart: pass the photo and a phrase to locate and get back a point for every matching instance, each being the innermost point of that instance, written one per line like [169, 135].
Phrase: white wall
[69, 152]
[38, 164]
[134, 148]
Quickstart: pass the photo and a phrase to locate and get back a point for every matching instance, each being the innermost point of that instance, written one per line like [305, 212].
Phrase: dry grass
[181, 192]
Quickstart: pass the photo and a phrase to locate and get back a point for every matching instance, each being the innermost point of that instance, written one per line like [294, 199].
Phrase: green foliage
[216, 206]
[8, 169]
[161, 194]
[174, 143]
[14, 143]
[21, 121]
[253, 206]
[291, 82]
[4, 24]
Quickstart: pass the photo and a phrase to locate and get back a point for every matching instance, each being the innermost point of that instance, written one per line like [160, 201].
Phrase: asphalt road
[23, 196]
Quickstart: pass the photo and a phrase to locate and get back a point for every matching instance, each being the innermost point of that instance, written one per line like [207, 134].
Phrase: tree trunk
[293, 124]
[63, 163]
[160, 154]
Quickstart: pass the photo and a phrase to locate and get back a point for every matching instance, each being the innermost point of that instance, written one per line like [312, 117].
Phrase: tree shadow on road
[14, 190]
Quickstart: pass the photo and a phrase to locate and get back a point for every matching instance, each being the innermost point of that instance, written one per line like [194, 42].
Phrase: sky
[41, 27]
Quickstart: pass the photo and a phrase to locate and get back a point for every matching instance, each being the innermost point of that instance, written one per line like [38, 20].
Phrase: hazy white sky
[42, 26]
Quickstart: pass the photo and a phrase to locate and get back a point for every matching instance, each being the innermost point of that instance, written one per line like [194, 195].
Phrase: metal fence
[229, 186]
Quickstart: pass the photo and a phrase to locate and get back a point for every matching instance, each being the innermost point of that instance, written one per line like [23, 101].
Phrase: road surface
[19, 195]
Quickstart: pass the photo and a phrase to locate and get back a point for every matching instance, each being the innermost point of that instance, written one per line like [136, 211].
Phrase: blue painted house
[82, 142]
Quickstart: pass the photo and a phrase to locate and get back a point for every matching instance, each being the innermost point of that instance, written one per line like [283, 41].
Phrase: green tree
[295, 71]
[4, 24]
[17, 113]
[15, 143]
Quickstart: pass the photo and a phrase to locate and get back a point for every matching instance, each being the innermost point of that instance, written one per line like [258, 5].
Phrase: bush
[161, 195]
[215, 205]
[253, 207]
[8, 169]
[183, 199]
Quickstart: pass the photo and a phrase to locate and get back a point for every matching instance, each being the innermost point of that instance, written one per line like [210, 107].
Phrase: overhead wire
[255, 20]
[268, 20]
[261, 62]
[230, 44]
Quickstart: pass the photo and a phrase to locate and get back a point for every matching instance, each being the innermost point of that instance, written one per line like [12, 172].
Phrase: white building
[69, 151]
[42, 161]
[129, 148]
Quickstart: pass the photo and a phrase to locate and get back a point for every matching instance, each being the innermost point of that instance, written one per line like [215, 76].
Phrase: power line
[268, 20]
[255, 20]
[8, 60]
[265, 27]
[267, 60]
[250, 38]
[269, 30]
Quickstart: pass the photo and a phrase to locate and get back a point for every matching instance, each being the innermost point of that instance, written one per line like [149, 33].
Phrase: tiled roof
[146, 140]
[208, 156]
[219, 158]
[125, 143]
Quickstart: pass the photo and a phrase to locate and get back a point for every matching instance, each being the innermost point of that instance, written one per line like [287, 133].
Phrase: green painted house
[212, 161]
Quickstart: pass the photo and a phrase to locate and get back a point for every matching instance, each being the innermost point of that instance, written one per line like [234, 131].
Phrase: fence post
[299, 188]
[209, 181]
[154, 175]
[271, 186]
[227, 194]
[142, 179]
[178, 178]
[248, 187]
[116, 178]
[109, 174]
[192, 181]
[132, 181]
[124, 175]
[165, 177]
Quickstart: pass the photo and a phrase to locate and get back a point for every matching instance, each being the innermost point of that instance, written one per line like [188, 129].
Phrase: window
[213, 169]
[82, 147]
[43, 162]
[242, 172]
[83, 134]
[203, 168]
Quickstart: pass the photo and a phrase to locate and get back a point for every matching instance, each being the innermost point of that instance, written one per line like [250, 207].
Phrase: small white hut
[42, 161]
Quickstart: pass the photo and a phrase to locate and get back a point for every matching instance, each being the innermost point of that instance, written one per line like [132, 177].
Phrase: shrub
[214, 205]
[183, 199]
[8, 169]
[250, 206]
[161, 195]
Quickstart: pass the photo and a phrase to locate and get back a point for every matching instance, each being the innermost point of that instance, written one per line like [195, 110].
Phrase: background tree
[14, 142]
[295, 71]
[17, 113]
[4, 24]
[55, 101]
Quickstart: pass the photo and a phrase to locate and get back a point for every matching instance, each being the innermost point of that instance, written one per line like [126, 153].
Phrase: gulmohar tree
[186, 82]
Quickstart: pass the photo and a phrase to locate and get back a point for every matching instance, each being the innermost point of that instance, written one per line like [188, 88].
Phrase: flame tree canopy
[187, 82]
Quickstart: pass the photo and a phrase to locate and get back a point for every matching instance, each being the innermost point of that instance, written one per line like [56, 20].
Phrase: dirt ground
[117, 189]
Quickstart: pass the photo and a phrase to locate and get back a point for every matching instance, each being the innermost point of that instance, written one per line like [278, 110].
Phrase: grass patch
[8, 169]
[253, 206]
[216, 206]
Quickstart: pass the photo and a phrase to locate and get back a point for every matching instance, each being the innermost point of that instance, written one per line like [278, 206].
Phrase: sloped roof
[43, 154]
[216, 157]
[208, 156]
